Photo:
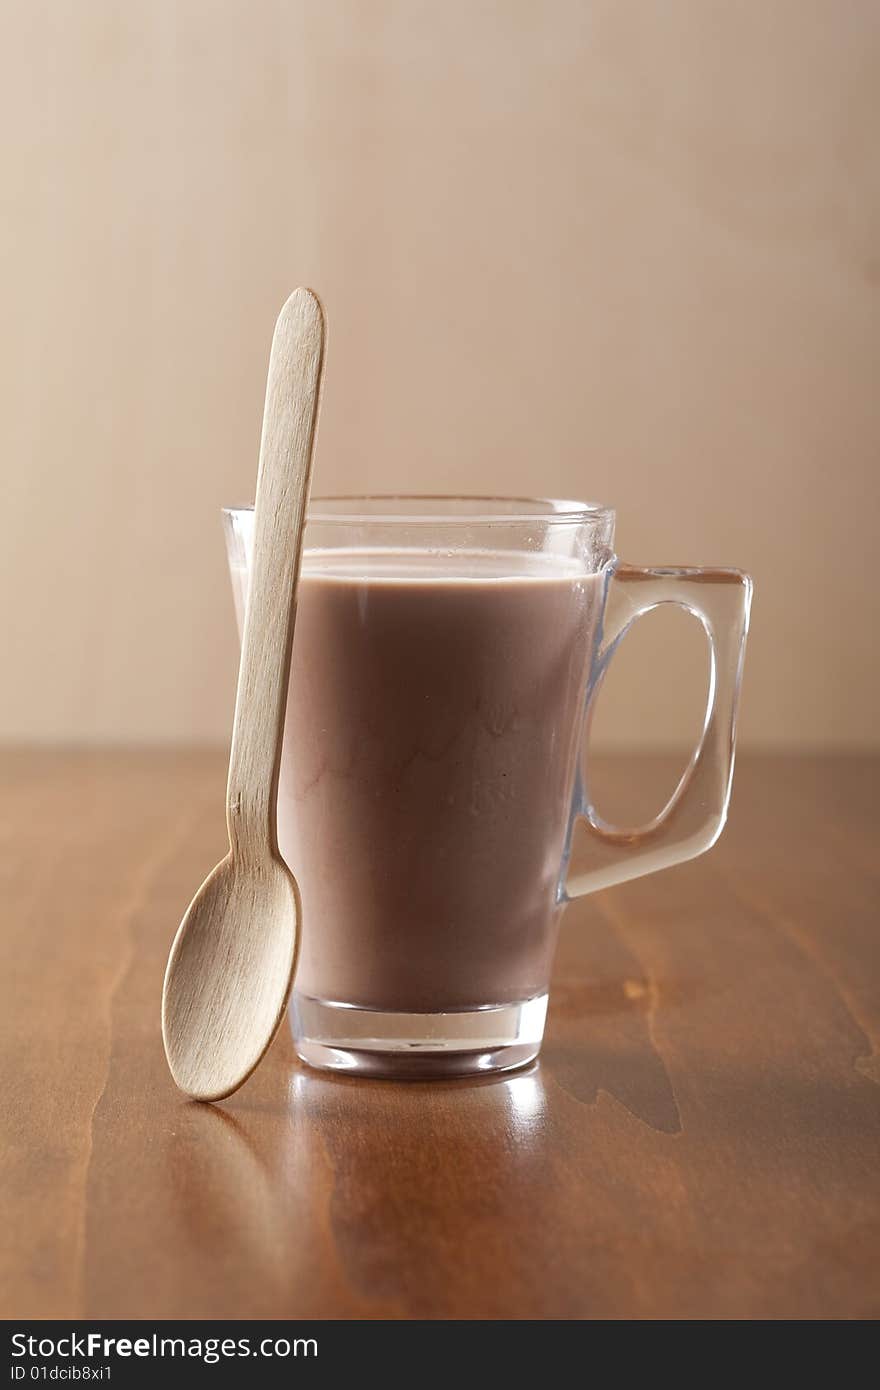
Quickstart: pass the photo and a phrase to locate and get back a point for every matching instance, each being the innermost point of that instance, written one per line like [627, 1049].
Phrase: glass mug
[446, 656]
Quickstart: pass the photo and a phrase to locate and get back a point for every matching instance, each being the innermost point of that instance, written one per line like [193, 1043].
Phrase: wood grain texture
[231, 965]
[699, 1138]
[290, 423]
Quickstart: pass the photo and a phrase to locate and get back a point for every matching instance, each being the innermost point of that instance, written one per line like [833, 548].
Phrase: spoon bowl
[210, 959]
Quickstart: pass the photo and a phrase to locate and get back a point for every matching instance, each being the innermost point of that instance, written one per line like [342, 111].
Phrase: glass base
[370, 1042]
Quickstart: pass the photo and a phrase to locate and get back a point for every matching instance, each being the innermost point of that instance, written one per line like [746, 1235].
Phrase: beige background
[625, 249]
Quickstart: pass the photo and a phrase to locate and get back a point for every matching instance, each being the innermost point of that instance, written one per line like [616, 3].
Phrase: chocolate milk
[430, 748]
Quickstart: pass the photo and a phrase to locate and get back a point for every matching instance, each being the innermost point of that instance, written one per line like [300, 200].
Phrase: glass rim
[437, 509]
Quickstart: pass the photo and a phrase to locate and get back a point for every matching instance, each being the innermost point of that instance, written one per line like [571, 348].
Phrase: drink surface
[416, 566]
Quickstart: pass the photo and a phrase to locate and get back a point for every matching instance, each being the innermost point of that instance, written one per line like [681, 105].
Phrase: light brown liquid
[429, 756]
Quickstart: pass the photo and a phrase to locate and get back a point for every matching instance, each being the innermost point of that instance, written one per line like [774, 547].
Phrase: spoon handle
[287, 446]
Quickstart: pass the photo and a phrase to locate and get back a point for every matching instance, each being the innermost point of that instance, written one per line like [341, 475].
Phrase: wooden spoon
[232, 962]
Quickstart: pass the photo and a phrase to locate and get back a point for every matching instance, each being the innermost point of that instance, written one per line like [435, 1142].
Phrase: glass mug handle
[694, 816]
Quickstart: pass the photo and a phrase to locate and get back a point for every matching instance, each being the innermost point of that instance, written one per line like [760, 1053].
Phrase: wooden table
[699, 1139]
